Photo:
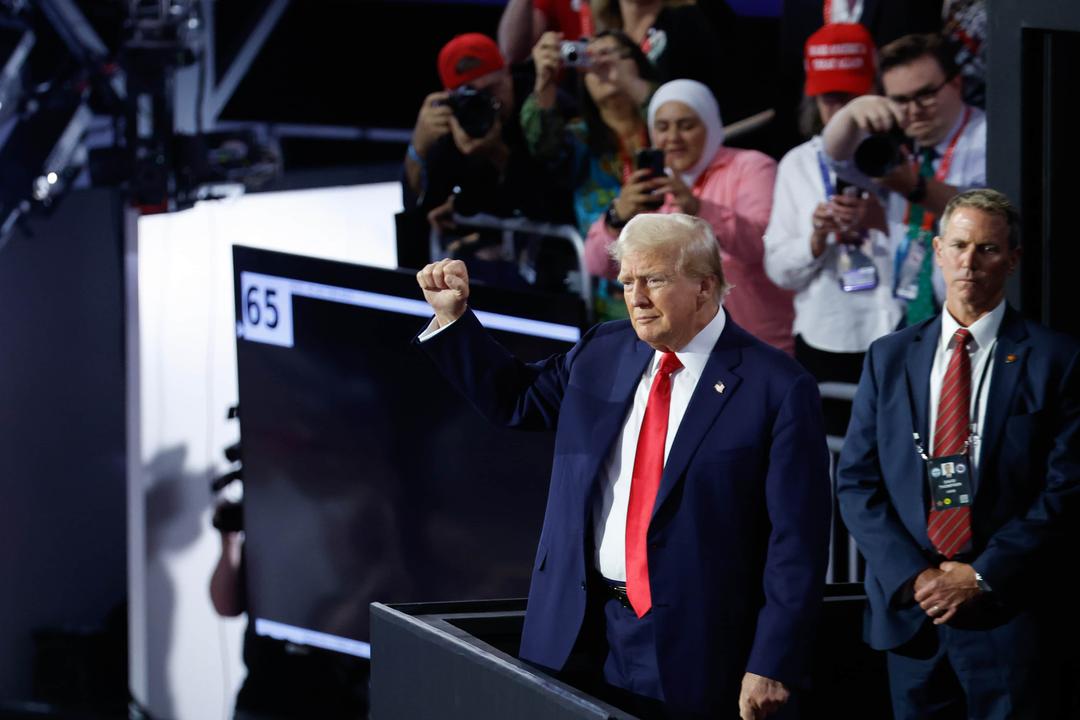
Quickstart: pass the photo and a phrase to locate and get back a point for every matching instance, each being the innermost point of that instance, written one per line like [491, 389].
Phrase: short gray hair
[691, 239]
[988, 201]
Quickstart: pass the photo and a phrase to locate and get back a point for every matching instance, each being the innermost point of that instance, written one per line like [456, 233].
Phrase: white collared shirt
[826, 317]
[980, 347]
[612, 500]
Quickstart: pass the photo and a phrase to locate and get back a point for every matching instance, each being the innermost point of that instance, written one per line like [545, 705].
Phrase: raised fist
[446, 289]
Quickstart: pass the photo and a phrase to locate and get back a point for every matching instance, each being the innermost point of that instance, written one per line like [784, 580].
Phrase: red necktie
[648, 467]
[950, 530]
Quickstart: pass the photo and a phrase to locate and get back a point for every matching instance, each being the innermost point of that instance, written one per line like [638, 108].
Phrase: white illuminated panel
[300, 636]
[266, 310]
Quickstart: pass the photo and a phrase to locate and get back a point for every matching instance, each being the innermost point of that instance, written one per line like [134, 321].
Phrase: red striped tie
[648, 467]
[950, 530]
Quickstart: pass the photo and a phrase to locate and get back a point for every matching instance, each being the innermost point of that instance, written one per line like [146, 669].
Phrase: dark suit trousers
[946, 673]
[615, 639]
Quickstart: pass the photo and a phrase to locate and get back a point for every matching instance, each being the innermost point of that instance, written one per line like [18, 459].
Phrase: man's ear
[1014, 258]
[938, 242]
[707, 288]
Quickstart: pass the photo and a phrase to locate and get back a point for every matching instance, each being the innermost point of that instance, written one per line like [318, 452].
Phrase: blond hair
[689, 238]
[988, 201]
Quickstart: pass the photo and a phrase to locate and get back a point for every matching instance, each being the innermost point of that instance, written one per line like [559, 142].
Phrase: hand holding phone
[652, 160]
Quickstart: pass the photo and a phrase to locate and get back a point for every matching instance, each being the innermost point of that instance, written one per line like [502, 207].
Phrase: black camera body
[880, 153]
[474, 109]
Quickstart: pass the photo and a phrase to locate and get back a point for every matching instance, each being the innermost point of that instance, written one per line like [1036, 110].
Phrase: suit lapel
[631, 366]
[1009, 359]
[911, 495]
[705, 405]
[920, 359]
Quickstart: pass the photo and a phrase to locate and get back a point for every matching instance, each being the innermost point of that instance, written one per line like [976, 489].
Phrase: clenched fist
[446, 289]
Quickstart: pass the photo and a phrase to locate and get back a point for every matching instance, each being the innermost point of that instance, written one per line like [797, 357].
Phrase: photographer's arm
[866, 114]
[432, 122]
[226, 584]
[519, 27]
[904, 180]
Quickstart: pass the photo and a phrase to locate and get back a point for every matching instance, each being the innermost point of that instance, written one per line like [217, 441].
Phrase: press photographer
[468, 153]
[939, 151]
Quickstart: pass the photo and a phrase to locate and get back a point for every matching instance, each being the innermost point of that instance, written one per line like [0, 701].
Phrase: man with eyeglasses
[942, 154]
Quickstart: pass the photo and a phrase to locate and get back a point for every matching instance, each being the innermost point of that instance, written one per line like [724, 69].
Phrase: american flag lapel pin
[719, 387]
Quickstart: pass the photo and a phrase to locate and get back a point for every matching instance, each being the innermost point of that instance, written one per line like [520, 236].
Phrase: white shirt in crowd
[826, 317]
[612, 501]
[980, 347]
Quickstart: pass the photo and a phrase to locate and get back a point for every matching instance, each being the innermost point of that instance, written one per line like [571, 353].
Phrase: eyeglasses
[924, 98]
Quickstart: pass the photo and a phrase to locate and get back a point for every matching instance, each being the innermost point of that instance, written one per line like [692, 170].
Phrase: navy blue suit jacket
[739, 535]
[1026, 487]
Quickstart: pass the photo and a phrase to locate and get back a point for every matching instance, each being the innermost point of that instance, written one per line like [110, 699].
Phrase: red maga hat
[840, 58]
[468, 57]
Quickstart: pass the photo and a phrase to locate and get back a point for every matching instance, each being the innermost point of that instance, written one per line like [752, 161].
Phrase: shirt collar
[943, 146]
[983, 330]
[696, 352]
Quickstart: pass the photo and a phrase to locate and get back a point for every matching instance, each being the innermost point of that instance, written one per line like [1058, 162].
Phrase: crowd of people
[617, 112]
[959, 490]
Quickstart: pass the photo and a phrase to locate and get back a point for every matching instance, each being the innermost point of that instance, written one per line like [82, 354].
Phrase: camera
[575, 53]
[474, 109]
[878, 154]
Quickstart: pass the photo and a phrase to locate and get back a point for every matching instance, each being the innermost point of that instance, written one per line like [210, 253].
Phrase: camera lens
[878, 154]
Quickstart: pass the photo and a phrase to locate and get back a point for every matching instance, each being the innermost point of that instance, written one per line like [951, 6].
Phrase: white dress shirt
[611, 503]
[981, 350]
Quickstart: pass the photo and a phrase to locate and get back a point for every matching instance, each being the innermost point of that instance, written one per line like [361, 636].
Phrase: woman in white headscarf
[730, 188]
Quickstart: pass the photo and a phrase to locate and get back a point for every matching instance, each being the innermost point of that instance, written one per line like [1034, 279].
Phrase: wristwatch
[983, 585]
[918, 193]
[612, 219]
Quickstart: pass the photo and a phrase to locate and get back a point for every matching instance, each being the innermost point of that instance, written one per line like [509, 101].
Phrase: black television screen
[366, 476]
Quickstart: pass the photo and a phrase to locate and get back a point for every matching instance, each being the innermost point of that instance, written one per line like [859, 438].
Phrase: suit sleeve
[1052, 513]
[505, 390]
[864, 500]
[798, 503]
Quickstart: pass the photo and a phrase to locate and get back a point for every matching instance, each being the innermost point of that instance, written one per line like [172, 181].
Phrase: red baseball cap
[840, 58]
[468, 57]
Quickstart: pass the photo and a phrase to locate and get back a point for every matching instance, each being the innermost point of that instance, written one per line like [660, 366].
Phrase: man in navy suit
[959, 480]
[688, 514]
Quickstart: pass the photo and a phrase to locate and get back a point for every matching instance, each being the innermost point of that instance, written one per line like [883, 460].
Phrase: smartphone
[652, 160]
[848, 190]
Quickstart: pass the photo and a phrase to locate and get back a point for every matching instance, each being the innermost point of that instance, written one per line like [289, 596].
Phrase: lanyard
[928, 218]
[826, 178]
[919, 447]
